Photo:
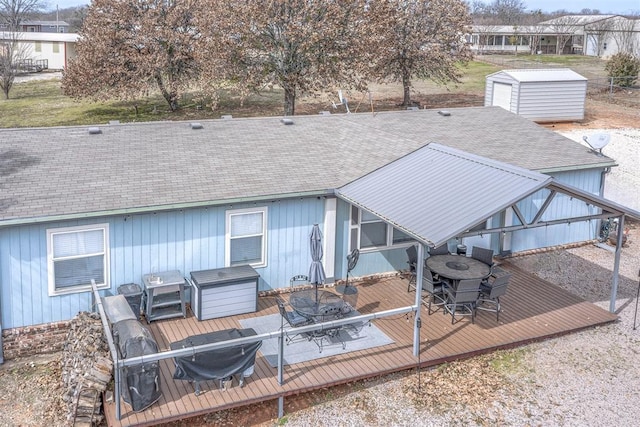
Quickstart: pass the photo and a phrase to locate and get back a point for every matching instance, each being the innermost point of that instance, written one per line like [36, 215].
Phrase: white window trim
[50, 269]
[227, 234]
[389, 244]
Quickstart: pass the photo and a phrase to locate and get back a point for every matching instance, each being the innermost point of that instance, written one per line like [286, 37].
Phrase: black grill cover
[140, 384]
[215, 364]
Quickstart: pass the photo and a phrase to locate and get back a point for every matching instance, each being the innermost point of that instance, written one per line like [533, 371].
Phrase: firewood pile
[86, 370]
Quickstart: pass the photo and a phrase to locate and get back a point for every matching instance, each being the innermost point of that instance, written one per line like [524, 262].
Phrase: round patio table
[456, 267]
[317, 304]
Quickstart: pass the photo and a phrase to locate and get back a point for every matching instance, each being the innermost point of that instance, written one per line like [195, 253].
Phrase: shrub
[623, 67]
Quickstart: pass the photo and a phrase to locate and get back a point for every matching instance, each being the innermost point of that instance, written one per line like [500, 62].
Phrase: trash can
[133, 294]
[461, 250]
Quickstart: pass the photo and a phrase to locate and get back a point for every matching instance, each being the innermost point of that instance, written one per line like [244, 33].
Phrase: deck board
[533, 309]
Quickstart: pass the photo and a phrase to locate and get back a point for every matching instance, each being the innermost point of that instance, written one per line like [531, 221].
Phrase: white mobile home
[550, 95]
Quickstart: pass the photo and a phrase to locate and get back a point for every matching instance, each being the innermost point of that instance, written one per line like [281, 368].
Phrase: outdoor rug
[302, 350]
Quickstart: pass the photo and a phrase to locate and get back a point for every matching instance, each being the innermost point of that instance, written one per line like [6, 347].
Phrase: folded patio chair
[491, 292]
[462, 299]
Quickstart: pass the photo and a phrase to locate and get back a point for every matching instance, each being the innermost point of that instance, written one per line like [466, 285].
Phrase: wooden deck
[532, 310]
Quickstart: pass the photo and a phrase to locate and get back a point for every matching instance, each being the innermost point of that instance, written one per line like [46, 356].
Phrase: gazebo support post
[417, 324]
[616, 265]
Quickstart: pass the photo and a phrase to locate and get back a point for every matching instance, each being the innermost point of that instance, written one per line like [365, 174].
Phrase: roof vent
[196, 126]
[226, 117]
[286, 121]
[444, 113]
[94, 131]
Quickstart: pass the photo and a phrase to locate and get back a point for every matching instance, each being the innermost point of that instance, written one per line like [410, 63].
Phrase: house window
[370, 232]
[246, 235]
[38, 47]
[75, 255]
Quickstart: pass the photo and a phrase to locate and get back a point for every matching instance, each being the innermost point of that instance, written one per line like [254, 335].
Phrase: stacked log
[86, 370]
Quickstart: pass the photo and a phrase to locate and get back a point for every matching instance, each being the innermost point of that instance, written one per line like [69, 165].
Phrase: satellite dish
[597, 141]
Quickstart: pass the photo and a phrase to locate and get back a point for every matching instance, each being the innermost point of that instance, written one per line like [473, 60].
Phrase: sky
[604, 6]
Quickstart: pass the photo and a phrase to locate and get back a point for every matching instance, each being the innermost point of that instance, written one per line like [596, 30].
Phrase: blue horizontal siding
[561, 207]
[186, 240]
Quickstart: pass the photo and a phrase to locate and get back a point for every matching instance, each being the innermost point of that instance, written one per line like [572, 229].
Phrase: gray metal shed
[542, 95]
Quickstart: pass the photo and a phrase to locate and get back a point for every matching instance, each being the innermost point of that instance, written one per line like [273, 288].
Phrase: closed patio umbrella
[316, 270]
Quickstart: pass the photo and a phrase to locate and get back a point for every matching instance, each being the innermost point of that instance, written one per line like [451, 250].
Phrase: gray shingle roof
[66, 171]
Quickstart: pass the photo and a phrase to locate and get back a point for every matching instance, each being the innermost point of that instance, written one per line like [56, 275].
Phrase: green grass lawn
[40, 103]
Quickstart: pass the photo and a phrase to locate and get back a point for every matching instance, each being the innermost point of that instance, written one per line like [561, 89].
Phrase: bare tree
[421, 39]
[498, 12]
[625, 36]
[13, 12]
[597, 33]
[129, 48]
[302, 46]
[13, 53]
[564, 27]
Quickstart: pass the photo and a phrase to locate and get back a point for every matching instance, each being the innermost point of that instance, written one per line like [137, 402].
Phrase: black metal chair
[491, 292]
[298, 280]
[412, 255]
[434, 289]
[293, 319]
[440, 250]
[462, 299]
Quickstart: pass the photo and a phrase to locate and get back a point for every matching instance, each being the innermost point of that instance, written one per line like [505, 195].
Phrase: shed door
[502, 95]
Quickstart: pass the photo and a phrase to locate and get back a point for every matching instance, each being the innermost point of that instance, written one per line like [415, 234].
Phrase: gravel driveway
[587, 378]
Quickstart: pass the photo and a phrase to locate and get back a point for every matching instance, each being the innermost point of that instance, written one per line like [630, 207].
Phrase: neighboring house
[44, 26]
[592, 35]
[117, 201]
[39, 27]
[541, 95]
[50, 50]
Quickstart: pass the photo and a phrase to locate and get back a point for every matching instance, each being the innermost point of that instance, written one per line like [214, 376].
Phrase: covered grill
[140, 384]
[220, 364]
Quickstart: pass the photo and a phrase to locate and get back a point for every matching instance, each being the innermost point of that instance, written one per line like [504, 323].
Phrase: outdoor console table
[456, 267]
[165, 295]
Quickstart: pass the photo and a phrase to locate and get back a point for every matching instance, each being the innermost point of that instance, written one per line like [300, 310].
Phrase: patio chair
[412, 255]
[485, 256]
[298, 280]
[434, 289]
[440, 250]
[462, 299]
[293, 319]
[491, 292]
